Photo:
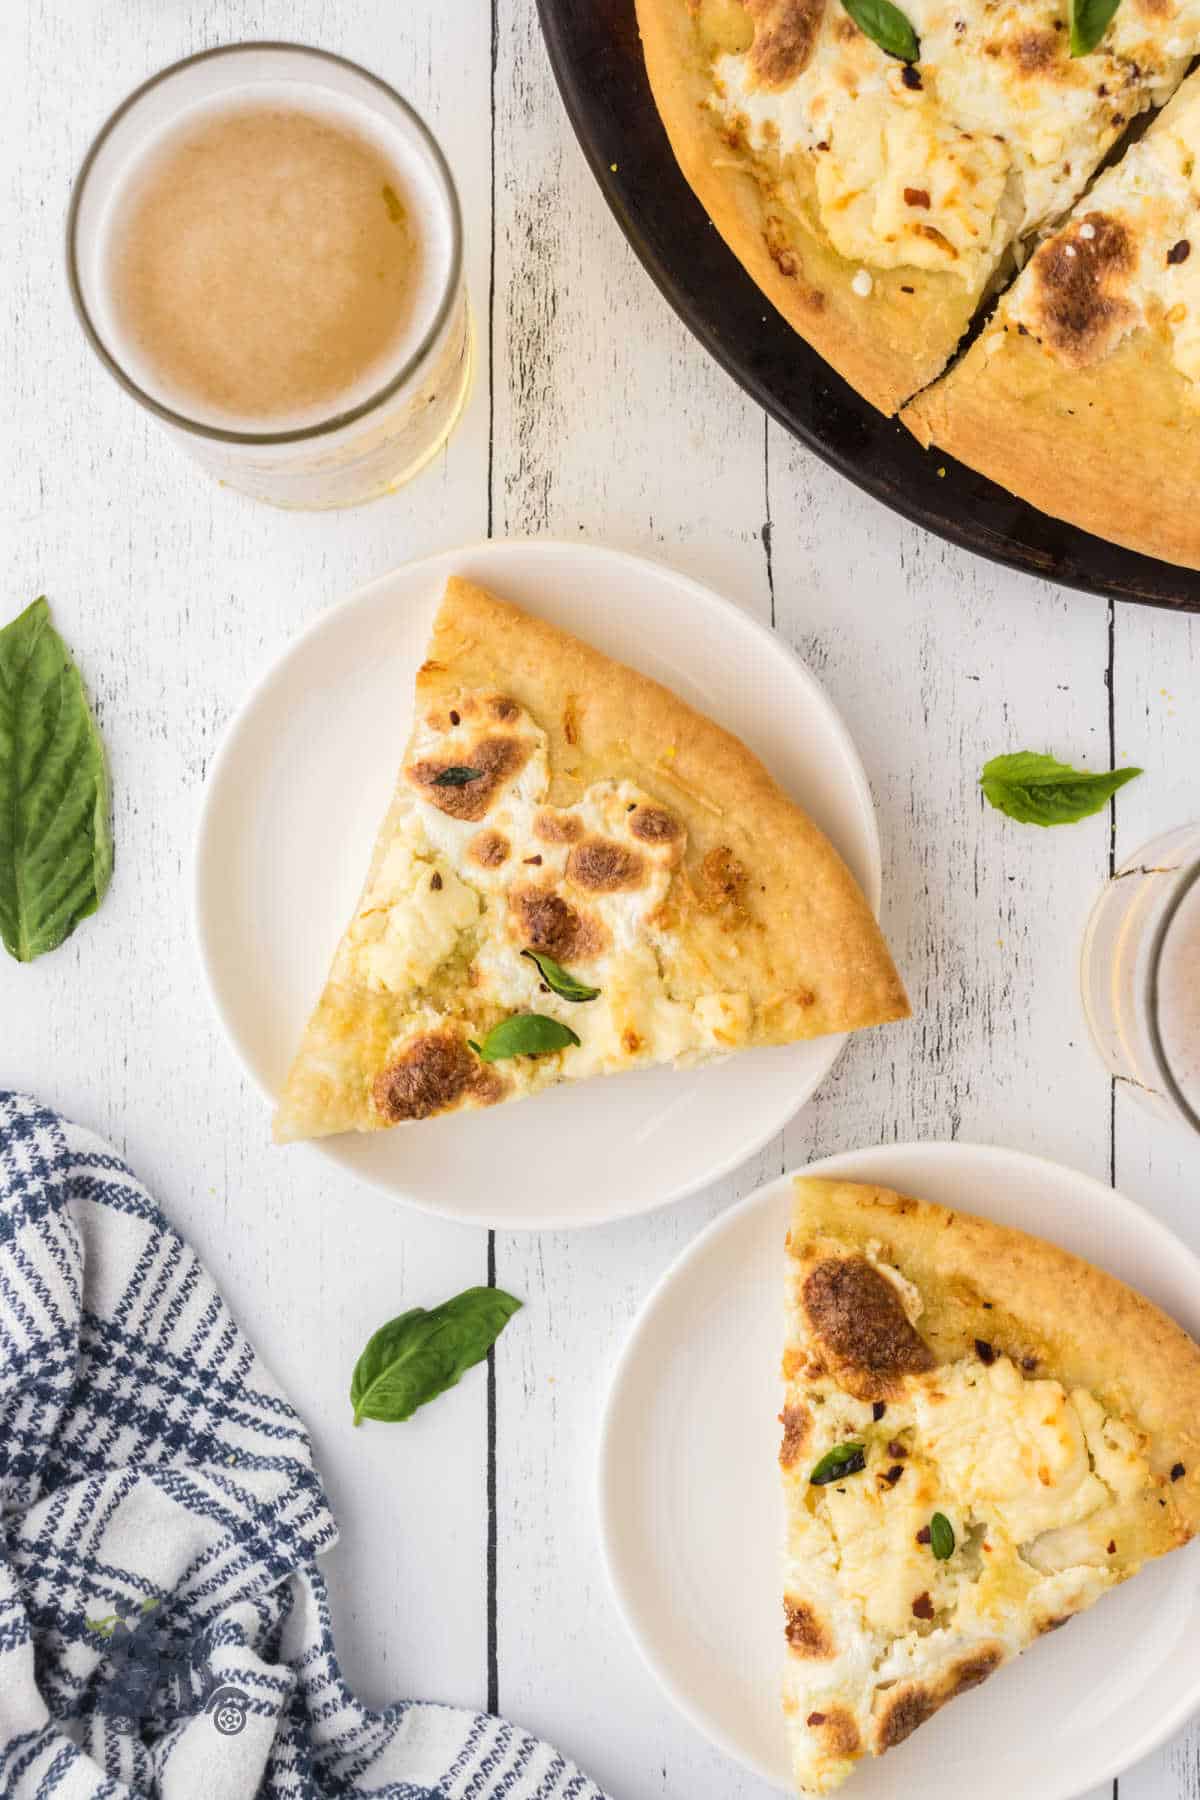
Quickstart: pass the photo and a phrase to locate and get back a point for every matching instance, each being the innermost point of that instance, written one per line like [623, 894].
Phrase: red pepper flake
[454, 719]
[892, 1475]
[917, 197]
[815, 1719]
[987, 1306]
[435, 882]
[911, 77]
[1029, 1363]
[896, 1448]
[878, 1408]
[1178, 1472]
[908, 290]
[924, 1535]
[922, 1607]
[1112, 1547]
[984, 1351]
[1179, 252]
[534, 859]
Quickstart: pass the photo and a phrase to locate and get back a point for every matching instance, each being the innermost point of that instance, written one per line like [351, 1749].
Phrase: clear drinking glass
[1140, 975]
[354, 454]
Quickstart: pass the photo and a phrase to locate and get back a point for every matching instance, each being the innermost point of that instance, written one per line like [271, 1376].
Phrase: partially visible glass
[1140, 975]
[349, 456]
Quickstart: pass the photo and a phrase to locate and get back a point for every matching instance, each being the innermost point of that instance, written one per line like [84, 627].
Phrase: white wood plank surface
[174, 594]
[599, 418]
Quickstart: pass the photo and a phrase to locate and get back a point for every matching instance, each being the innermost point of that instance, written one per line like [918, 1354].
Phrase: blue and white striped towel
[164, 1629]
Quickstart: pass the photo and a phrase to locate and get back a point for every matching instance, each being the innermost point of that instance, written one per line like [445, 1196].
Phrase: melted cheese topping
[447, 896]
[996, 142]
[1012, 1451]
[405, 928]
[1155, 193]
[1031, 1479]
[875, 1522]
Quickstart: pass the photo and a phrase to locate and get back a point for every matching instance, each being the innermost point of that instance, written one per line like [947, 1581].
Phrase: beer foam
[272, 258]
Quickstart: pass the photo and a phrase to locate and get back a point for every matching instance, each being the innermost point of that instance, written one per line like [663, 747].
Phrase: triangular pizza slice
[982, 1435]
[578, 874]
[1082, 393]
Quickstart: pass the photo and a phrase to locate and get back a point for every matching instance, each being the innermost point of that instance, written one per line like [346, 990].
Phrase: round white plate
[302, 782]
[691, 1513]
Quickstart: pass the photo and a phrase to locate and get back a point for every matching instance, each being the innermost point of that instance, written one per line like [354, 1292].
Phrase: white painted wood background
[593, 415]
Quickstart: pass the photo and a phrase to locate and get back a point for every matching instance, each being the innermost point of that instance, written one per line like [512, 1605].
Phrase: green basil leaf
[886, 26]
[55, 836]
[941, 1537]
[558, 980]
[414, 1358]
[843, 1459]
[524, 1034]
[457, 775]
[1090, 20]
[1036, 790]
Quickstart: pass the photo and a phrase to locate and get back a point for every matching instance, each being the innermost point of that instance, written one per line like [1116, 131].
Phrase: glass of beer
[264, 247]
[1141, 975]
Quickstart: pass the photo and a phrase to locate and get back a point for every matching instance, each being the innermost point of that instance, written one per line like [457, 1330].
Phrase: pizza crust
[1114, 448]
[762, 905]
[887, 345]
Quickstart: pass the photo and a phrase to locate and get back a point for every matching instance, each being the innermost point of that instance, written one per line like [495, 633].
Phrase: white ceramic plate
[691, 1515]
[296, 795]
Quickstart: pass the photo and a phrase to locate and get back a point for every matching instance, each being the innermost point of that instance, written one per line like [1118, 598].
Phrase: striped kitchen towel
[164, 1629]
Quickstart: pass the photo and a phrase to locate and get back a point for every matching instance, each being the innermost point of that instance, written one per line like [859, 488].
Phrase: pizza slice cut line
[1082, 392]
[879, 172]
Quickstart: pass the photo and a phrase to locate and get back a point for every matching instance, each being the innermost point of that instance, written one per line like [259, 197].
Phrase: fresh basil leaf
[1090, 20]
[55, 837]
[941, 1537]
[886, 26]
[843, 1459]
[558, 980]
[1036, 790]
[524, 1034]
[457, 775]
[414, 1358]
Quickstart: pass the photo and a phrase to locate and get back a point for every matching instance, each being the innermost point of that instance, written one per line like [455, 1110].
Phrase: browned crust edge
[606, 719]
[1114, 449]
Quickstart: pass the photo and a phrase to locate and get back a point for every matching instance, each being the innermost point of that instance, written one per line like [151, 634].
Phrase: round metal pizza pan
[596, 55]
